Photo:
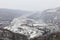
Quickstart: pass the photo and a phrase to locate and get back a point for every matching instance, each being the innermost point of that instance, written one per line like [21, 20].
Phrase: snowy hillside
[31, 28]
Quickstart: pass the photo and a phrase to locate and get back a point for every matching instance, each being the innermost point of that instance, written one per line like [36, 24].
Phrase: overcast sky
[29, 5]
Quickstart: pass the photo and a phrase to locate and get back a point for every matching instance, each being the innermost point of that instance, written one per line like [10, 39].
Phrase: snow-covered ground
[22, 26]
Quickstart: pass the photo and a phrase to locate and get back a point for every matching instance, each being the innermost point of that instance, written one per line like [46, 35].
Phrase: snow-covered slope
[31, 28]
[19, 25]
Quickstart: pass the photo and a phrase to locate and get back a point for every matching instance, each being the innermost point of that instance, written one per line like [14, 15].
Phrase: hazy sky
[30, 5]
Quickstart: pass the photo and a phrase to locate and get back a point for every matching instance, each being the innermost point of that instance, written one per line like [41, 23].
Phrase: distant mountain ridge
[48, 16]
[51, 16]
[7, 15]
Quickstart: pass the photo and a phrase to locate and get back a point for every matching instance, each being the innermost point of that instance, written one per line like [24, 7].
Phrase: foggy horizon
[29, 5]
